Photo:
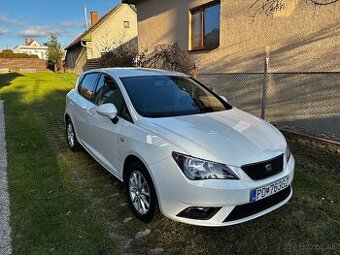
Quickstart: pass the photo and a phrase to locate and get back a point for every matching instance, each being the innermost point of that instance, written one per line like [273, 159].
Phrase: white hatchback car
[179, 147]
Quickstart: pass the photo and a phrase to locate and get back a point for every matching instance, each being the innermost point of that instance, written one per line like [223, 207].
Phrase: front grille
[246, 210]
[264, 169]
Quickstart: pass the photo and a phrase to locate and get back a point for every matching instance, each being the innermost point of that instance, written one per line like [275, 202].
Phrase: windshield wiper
[156, 115]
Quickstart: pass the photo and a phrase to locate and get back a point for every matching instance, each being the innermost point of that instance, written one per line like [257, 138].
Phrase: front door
[108, 135]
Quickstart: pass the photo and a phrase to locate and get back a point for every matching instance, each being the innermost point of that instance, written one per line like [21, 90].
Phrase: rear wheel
[71, 136]
[141, 193]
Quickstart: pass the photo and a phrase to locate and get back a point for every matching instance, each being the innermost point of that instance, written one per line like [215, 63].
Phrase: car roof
[136, 72]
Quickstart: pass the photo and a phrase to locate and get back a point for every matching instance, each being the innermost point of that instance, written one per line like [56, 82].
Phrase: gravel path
[5, 229]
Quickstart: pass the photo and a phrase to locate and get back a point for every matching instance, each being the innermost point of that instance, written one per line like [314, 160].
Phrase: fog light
[199, 213]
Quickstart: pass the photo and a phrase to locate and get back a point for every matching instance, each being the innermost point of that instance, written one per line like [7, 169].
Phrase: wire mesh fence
[309, 102]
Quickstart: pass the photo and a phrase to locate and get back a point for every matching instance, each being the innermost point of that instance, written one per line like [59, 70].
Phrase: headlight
[287, 153]
[199, 169]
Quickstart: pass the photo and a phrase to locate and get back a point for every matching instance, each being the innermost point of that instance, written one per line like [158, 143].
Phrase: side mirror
[107, 110]
[224, 98]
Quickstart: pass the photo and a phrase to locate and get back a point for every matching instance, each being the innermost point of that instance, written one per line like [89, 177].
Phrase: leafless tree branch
[269, 7]
[323, 2]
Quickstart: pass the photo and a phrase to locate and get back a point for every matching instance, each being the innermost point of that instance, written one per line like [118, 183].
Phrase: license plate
[268, 190]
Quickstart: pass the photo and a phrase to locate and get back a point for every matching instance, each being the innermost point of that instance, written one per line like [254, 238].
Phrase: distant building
[117, 27]
[32, 47]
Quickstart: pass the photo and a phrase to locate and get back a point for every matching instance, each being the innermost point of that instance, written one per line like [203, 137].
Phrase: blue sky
[20, 19]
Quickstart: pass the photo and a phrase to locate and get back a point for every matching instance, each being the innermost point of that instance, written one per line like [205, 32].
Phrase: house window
[126, 24]
[205, 26]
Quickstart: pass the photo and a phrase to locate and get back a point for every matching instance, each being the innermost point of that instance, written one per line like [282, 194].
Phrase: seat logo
[269, 168]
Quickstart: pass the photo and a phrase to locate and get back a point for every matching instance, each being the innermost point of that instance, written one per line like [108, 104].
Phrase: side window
[205, 26]
[87, 85]
[108, 92]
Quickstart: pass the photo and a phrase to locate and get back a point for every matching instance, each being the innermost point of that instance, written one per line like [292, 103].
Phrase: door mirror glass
[224, 98]
[107, 110]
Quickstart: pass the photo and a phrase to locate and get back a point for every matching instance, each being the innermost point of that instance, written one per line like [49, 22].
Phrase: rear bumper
[231, 197]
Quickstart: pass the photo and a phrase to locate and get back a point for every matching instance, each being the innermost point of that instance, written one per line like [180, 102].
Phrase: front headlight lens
[199, 169]
[287, 153]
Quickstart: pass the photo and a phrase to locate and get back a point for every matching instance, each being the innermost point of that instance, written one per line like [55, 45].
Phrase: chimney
[27, 41]
[94, 17]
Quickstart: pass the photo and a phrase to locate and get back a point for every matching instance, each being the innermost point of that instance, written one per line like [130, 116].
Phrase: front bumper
[232, 197]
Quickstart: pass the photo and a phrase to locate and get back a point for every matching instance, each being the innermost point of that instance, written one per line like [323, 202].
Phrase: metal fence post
[264, 88]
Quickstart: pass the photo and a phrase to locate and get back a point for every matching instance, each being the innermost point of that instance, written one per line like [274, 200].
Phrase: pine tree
[54, 53]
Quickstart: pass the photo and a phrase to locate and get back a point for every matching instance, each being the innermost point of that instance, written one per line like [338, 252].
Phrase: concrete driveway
[5, 229]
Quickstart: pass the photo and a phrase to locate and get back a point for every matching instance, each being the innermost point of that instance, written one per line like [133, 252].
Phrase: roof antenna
[86, 18]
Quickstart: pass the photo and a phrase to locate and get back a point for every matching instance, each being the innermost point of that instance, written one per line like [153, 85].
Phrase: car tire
[71, 137]
[141, 193]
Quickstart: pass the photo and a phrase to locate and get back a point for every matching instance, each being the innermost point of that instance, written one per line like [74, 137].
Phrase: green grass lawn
[66, 203]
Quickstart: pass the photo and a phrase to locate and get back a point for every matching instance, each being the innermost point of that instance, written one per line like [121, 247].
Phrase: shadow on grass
[6, 79]
[50, 212]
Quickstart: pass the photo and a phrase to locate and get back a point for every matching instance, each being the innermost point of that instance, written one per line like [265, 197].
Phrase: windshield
[164, 96]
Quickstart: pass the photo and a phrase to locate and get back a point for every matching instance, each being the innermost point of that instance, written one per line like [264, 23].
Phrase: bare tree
[170, 57]
[269, 7]
[107, 43]
[167, 57]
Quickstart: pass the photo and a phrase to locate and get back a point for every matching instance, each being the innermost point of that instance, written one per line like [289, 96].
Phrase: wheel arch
[129, 160]
[66, 117]
[133, 158]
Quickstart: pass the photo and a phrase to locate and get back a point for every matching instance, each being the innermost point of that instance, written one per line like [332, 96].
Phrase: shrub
[122, 56]
[166, 57]
[169, 57]
[11, 54]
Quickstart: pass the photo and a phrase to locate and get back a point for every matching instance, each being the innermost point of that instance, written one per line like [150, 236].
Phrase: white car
[181, 149]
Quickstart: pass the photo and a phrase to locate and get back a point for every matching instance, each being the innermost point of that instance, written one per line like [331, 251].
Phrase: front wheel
[71, 136]
[141, 193]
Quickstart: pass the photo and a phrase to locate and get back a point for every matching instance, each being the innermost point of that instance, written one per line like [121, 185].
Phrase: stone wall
[22, 64]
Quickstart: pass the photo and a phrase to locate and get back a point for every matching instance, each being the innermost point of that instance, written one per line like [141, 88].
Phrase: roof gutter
[134, 2]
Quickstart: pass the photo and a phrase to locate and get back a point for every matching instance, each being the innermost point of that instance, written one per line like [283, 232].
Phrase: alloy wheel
[139, 192]
[70, 135]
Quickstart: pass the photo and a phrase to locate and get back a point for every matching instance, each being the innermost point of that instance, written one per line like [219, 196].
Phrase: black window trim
[201, 8]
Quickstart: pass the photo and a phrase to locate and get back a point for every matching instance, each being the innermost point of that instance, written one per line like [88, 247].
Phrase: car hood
[231, 137]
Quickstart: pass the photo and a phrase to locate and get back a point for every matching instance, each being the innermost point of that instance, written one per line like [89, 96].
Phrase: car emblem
[269, 168]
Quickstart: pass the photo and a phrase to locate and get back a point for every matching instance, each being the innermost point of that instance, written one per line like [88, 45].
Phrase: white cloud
[5, 19]
[72, 24]
[36, 31]
[3, 31]
[41, 31]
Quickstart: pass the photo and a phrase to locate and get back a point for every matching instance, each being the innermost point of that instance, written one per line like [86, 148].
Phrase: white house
[32, 47]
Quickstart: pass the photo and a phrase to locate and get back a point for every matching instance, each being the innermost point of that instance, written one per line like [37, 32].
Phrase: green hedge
[11, 54]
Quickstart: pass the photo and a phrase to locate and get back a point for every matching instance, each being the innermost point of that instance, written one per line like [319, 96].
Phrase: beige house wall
[301, 38]
[111, 33]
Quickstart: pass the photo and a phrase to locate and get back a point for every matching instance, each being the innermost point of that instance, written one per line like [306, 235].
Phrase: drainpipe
[86, 47]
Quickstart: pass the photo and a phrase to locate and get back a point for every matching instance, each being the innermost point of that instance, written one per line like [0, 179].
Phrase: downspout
[86, 47]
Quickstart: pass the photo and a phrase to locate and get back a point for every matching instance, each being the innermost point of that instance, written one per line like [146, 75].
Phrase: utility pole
[265, 87]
